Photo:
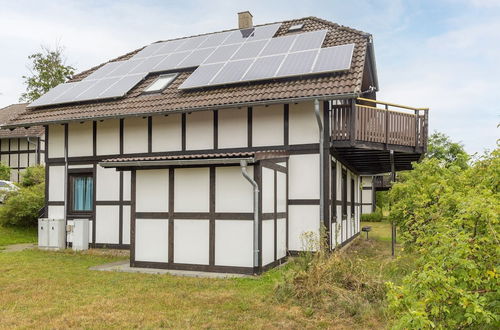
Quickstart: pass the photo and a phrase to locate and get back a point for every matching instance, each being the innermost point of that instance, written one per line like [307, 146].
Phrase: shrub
[4, 172]
[33, 175]
[449, 216]
[376, 216]
[21, 207]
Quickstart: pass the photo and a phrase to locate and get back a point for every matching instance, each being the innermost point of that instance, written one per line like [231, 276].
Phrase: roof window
[161, 83]
[296, 27]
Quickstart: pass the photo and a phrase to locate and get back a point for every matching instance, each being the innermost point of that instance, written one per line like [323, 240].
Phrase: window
[161, 83]
[296, 27]
[344, 194]
[352, 196]
[81, 192]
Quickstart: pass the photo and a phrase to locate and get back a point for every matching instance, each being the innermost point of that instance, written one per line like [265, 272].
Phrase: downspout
[36, 149]
[243, 165]
[321, 157]
[66, 174]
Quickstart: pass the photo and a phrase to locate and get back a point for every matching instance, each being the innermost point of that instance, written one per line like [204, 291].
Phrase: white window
[161, 83]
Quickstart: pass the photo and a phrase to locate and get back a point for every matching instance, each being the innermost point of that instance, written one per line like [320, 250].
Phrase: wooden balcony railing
[353, 122]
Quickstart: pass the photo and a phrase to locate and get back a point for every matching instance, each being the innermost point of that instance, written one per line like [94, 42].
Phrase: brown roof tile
[12, 111]
[174, 99]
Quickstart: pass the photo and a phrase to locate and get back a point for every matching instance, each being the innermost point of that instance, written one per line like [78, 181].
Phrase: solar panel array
[220, 58]
[115, 79]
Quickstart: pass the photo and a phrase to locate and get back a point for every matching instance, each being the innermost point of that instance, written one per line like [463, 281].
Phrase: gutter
[175, 162]
[243, 165]
[321, 158]
[214, 107]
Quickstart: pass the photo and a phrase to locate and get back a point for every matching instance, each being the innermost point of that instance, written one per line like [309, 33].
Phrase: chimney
[245, 20]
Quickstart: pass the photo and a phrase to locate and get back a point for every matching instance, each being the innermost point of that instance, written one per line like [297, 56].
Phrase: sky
[441, 54]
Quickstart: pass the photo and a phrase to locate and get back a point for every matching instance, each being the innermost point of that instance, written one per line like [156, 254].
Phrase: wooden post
[386, 125]
[352, 128]
[393, 225]
[416, 128]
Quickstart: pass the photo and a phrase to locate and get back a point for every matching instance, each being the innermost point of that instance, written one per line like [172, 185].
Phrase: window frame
[77, 173]
[156, 91]
[344, 194]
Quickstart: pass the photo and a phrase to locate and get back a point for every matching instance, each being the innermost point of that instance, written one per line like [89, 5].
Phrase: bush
[33, 175]
[4, 172]
[22, 207]
[376, 216]
[449, 215]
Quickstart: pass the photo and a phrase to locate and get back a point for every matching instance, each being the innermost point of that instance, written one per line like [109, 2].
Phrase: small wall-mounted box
[51, 234]
[80, 234]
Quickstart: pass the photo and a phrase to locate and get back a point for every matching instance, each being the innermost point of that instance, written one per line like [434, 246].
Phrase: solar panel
[147, 64]
[191, 43]
[122, 86]
[265, 31]
[170, 62]
[231, 72]
[202, 75]
[297, 63]
[215, 39]
[97, 88]
[310, 40]
[169, 47]
[264, 67]
[104, 70]
[77, 89]
[52, 94]
[125, 68]
[334, 58]
[279, 45]
[222, 53]
[249, 49]
[196, 57]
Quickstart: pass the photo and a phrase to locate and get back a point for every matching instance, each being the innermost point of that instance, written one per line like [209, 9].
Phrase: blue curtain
[82, 193]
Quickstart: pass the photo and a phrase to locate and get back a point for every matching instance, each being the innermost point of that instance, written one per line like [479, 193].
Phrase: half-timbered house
[217, 152]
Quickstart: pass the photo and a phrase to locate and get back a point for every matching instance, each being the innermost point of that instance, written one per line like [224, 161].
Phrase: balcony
[364, 131]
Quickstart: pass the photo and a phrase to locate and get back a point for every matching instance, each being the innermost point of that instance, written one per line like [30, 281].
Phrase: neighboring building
[162, 152]
[20, 147]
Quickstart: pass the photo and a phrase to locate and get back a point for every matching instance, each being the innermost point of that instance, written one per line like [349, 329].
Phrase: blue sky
[442, 54]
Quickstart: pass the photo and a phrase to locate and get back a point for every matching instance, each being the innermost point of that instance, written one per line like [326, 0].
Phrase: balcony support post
[386, 130]
[352, 124]
[393, 225]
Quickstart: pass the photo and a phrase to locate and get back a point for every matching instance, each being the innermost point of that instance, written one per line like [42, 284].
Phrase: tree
[47, 70]
[441, 147]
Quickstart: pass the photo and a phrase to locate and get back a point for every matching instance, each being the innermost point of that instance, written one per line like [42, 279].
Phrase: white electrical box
[51, 234]
[43, 233]
[80, 234]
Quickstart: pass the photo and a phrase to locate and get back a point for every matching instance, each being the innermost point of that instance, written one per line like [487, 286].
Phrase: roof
[174, 100]
[11, 112]
[186, 159]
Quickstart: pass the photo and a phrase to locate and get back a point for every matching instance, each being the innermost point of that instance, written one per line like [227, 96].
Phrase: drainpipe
[36, 149]
[243, 165]
[321, 157]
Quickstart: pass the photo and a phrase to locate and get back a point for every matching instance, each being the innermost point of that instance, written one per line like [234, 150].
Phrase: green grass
[14, 235]
[56, 290]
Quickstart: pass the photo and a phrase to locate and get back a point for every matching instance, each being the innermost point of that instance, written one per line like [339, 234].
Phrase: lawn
[13, 235]
[56, 290]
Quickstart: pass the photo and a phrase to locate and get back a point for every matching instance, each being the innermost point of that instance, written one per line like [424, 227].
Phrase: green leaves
[47, 71]
[449, 216]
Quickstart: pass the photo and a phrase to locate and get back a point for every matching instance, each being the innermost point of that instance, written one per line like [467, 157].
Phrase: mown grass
[56, 290]
[15, 235]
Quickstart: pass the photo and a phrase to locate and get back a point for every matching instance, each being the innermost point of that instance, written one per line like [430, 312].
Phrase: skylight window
[161, 83]
[296, 27]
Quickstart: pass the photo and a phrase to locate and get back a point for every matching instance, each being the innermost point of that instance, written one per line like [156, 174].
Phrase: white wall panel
[56, 183]
[126, 185]
[107, 224]
[14, 175]
[191, 241]
[152, 190]
[56, 141]
[234, 243]
[151, 240]
[80, 141]
[23, 160]
[267, 242]
[233, 193]
[191, 186]
[367, 196]
[108, 137]
[135, 135]
[108, 184]
[23, 144]
[281, 238]
[302, 218]
[167, 133]
[14, 161]
[303, 127]
[14, 144]
[303, 176]
[4, 144]
[233, 128]
[56, 212]
[126, 225]
[32, 158]
[267, 190]
[200, 130]
[5, 159]
[281, 192]
[268, 125]
[81, 166]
